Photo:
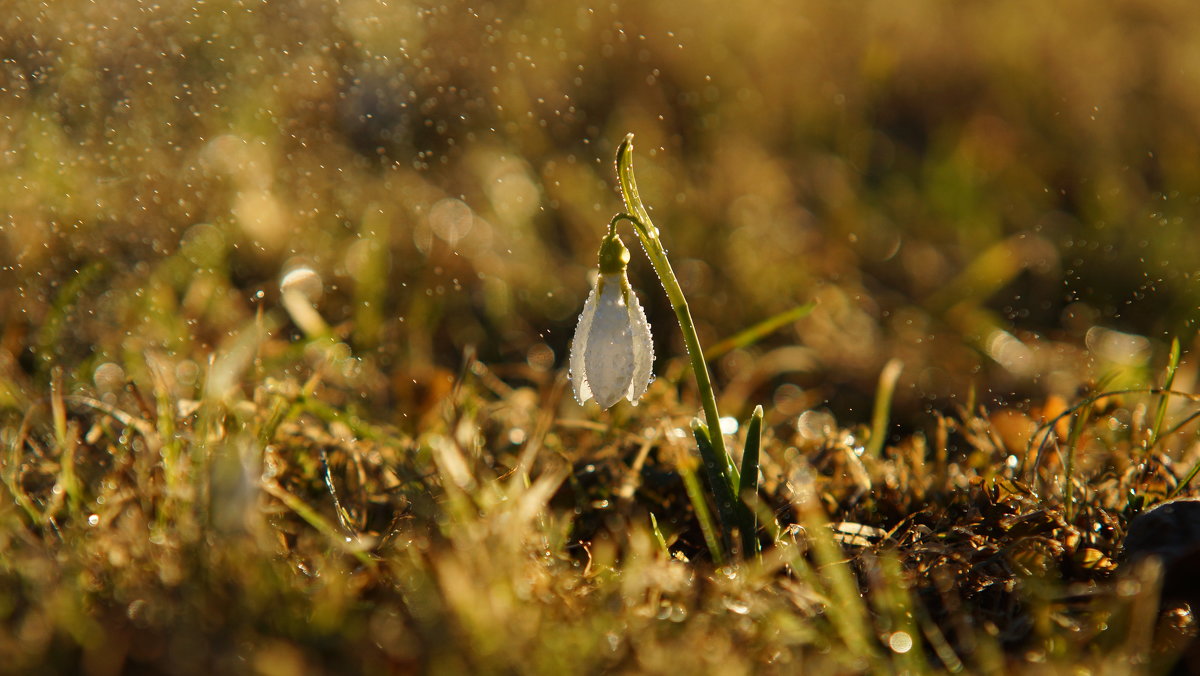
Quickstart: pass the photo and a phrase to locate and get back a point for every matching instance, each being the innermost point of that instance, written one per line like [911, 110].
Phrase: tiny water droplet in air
[900, 642]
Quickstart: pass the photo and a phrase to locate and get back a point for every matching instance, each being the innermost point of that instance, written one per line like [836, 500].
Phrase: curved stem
[612, 224]
[648, 234]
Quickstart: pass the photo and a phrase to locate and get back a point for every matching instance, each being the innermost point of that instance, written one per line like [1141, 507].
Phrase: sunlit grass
[319, 546]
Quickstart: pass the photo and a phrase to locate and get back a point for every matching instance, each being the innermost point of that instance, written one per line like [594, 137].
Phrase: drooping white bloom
[612, 354]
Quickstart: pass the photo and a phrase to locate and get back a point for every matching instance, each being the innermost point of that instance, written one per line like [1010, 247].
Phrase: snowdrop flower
[612, 353]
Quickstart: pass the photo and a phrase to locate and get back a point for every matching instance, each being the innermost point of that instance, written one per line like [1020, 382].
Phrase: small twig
[125, 418]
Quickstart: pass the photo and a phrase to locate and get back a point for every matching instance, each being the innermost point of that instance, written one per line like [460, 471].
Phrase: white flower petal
[609, 361]
[578, 372]
[643, 351]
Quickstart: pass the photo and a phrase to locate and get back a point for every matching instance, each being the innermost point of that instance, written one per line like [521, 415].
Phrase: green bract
[614, 255]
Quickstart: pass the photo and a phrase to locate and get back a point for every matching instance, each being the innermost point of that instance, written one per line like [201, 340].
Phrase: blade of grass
[170, 446]
[1141, 609]
[658, 536]
[1174, 429]
[748, 484]
[350, 545]
[848, 614]
[894, 604]
[343, 514]
[1187, 479]
[883, 406]
[1164, 399]
[1081, 421]
[66, 442]
[990, 271]
[718, 481]
[759, 331]
[937, 641]
[696, 496]
[361, 428]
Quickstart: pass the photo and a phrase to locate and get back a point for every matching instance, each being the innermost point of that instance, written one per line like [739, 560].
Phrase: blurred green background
[1001, 195]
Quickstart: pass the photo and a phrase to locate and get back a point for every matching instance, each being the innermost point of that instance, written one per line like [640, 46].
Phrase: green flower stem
[648, 234]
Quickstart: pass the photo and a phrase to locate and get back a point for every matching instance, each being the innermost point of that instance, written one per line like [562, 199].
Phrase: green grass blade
[896, 619]
[67, 444]
[707, 527]
[1081, 421]
[658, 536]
[759, 331]
[883, 406]
[352, 546]
[1164, 399]
[1186, 480]
[748, 484]
[851, 620]
[718, 480]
